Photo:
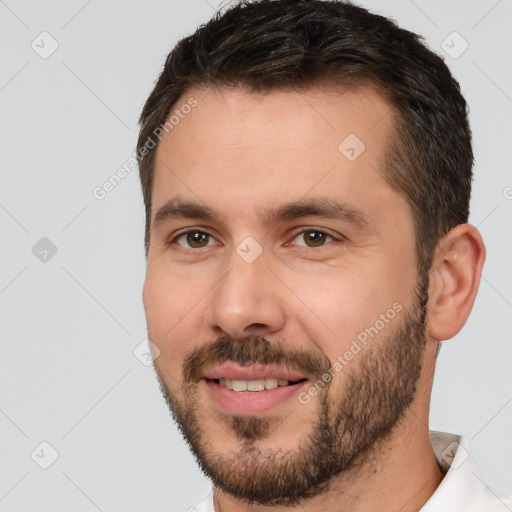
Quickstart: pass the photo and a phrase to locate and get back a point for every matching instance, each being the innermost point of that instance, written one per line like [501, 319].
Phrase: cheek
[334, 311]
[167, 303]
[158, 305]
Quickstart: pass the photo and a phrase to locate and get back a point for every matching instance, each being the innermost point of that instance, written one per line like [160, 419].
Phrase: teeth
[226, 382]
[256, 385]
[239, 385]
[253, 385]
[271, 383]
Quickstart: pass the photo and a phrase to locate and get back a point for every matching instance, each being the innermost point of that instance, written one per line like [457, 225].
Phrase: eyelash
[175, 238]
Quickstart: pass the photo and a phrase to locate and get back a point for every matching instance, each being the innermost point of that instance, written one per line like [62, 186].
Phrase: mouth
[251, 390]
[256, 385]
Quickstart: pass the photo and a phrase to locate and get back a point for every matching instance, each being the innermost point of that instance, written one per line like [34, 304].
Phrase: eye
[313, 238]
[192, 239]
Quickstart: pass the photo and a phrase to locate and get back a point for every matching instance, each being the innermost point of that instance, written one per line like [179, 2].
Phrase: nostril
[257, 326]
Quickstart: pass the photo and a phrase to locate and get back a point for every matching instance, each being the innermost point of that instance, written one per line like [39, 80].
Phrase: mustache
[252, 350]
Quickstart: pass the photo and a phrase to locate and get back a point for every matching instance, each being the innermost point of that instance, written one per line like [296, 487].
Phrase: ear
[454, 280]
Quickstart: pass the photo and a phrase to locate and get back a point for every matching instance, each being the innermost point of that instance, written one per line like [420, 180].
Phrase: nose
[246, 301]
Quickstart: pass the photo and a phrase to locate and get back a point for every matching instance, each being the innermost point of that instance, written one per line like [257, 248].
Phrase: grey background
[70, 323]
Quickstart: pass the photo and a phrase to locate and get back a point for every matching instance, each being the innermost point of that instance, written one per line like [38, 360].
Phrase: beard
[380, 386]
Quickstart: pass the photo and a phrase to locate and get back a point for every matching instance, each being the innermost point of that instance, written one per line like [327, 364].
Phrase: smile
[254, 385]
[251, 390]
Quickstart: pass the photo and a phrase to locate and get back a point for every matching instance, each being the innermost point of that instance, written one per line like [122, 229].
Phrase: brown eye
[193, 239]
[313, 238]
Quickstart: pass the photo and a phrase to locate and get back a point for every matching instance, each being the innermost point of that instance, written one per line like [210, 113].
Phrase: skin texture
[239, 154]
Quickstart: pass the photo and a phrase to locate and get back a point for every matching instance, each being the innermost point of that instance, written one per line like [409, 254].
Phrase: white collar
[462, 488]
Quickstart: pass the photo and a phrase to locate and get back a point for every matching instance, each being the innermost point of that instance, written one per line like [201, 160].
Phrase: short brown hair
[268, 45]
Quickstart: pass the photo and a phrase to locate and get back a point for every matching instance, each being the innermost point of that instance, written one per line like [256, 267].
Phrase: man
[306, 169]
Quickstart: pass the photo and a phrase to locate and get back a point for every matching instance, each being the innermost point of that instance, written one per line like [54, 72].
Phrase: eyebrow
[178, 208]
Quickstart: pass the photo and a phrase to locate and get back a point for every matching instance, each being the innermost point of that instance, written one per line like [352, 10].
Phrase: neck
[400, 473]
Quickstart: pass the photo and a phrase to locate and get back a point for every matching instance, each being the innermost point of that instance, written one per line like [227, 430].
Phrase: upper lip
[234, 371]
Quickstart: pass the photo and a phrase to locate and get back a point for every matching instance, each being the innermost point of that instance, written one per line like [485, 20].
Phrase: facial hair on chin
[379, 388]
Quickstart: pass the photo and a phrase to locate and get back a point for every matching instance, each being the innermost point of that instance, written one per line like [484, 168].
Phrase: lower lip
[252, 402]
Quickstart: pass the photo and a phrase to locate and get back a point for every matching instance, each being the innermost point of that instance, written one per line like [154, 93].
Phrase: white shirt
[462, 488]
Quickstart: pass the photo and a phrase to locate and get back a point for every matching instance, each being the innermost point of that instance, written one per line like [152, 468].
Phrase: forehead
[236, 150]
[318, 116]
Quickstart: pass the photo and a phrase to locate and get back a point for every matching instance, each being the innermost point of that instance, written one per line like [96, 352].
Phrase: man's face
[320, 308]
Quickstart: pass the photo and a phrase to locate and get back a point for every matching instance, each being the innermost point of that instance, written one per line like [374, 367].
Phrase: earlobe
[454, 280]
